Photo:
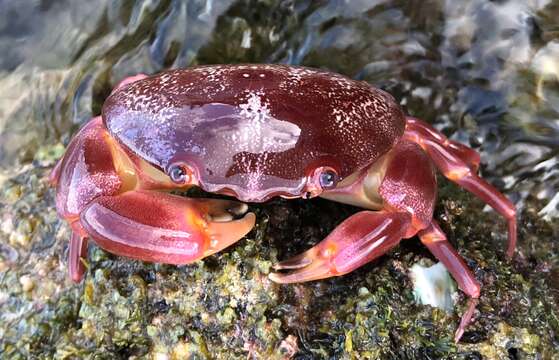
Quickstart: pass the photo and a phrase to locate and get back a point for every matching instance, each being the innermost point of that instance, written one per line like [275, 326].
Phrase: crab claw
[356, 241]
[164, 228]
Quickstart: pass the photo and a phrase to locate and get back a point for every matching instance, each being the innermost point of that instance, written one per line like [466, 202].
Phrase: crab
[254, 132]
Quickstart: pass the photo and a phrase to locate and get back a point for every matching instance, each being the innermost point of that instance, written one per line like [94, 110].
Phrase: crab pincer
[165, 228]
[109, 197]
[355, 242]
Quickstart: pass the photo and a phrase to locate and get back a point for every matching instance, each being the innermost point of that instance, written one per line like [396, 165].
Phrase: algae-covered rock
[464, 66]
[225, 307]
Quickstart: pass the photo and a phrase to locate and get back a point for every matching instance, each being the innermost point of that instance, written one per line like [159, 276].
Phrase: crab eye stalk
[180, 174]
[328, 179]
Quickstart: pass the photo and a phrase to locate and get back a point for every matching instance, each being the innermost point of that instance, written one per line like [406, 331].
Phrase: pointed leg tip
[512, 238]
[76, 279]
[466, 318]
[76, 254]
[76, 273]
[458, 335]
[52, 179]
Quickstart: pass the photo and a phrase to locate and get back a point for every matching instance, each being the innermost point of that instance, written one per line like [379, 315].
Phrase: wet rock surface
[483, 72]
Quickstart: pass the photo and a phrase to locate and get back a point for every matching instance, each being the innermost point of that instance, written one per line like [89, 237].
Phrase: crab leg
[420, 129]
[76, 251]
[356, 241]
[435, 240]
[164, 228]
[408, 193]
[459, 168]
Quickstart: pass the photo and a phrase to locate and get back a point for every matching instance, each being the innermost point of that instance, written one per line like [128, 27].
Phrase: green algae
[224, 307]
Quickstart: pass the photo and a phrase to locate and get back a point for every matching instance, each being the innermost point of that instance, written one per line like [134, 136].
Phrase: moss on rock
[224, 307]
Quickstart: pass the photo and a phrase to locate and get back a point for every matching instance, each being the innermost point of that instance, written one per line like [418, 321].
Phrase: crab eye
[328, 179]
[179, 173]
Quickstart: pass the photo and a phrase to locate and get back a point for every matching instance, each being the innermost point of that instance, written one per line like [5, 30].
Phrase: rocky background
[485, 73]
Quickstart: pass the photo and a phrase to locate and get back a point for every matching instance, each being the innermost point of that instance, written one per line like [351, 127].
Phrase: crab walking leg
[435, 240]
[76, 251]
[496, 200]
[355, 242]
[457, 170]
[419, 129]
[164, 228]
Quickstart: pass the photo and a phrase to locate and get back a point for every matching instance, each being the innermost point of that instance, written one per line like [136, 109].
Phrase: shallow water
[484, 72]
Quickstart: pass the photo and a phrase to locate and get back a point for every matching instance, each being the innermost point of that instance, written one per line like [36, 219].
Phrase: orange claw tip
[223, 234]
[306, 269]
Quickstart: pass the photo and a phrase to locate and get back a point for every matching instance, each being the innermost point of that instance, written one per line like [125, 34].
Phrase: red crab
[254, 132]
